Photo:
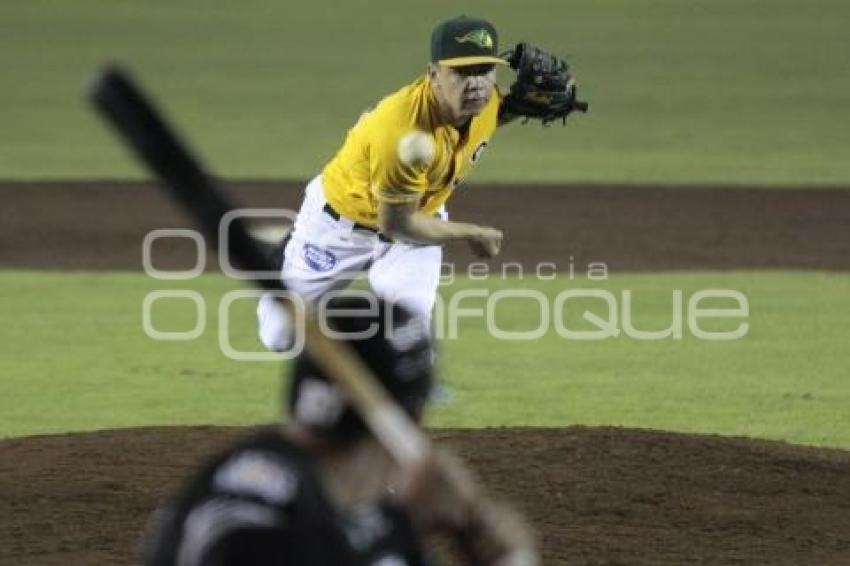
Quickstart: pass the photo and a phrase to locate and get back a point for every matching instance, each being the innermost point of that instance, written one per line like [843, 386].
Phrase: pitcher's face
[464, 91]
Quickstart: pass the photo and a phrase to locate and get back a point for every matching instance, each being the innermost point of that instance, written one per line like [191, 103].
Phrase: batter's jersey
[261, 504]
[368, 167]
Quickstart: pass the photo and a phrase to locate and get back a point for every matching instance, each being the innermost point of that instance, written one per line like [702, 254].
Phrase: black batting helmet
[395, 345]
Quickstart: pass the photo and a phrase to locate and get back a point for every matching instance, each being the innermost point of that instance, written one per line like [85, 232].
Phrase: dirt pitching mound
[597, 496]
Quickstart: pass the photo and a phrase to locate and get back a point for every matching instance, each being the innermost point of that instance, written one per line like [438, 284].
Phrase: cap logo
[480, 37]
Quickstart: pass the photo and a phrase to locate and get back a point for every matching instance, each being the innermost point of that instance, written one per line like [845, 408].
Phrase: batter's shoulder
[261, 484]
[264, 466]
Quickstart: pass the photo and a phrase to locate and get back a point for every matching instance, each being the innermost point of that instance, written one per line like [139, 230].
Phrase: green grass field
[706, 91]
[76, 358]
[682, 91]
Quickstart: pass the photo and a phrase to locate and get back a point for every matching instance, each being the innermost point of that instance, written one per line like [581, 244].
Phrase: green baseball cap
[465, 41]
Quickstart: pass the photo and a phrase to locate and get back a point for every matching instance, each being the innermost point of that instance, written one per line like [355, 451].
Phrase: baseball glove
[544, 89]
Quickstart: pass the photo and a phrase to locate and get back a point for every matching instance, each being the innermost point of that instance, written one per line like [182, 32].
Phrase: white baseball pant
[326, 254]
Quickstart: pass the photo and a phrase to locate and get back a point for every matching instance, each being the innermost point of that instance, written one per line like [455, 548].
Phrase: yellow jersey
[369, 167]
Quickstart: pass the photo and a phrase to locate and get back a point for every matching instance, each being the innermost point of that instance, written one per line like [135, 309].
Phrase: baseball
[416, 149]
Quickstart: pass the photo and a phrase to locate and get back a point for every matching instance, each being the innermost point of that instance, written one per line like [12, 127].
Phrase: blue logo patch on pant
[319, 259]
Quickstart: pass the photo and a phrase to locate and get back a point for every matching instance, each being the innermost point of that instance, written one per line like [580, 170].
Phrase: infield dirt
[101, 225]
[598, 496]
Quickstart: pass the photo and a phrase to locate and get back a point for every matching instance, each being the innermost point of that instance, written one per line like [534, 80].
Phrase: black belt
[329, 210]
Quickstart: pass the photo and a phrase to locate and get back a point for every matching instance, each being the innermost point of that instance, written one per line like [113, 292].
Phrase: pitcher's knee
[274, 324]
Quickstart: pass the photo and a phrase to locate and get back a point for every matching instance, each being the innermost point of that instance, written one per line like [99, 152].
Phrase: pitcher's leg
[408, 274]
[320, 256]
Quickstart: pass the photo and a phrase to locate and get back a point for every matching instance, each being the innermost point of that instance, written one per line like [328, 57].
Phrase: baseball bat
[156, 144]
